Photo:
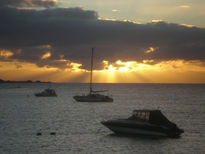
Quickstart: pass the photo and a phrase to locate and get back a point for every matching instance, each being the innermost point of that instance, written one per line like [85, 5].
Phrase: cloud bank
[70, 33]
[30, 3]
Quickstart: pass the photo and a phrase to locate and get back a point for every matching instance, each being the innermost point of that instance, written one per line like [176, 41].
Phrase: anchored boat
[93, 96]
[47, 93]
[145, 122]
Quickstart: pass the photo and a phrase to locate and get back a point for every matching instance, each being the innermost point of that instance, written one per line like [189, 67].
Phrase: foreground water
[77, 125]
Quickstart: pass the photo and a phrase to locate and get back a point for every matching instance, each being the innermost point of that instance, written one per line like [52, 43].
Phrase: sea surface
[77, 125]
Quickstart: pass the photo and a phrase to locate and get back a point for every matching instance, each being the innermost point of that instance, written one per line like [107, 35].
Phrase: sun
[119, 66]
[111, 68]
[123, 69]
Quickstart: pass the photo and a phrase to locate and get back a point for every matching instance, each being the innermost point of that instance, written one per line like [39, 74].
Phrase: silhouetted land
[27, 81]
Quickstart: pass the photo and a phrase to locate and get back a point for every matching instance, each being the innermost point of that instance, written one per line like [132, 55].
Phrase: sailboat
[93, 96]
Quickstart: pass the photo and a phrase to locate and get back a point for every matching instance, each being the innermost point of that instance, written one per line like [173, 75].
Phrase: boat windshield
[153, 116]
[143, 115]
[49, 91]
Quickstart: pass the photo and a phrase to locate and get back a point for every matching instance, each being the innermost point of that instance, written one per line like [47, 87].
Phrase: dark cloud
[31, 3]
[72, 32]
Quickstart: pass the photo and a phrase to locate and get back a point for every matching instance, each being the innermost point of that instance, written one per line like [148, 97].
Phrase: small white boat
[47, 93]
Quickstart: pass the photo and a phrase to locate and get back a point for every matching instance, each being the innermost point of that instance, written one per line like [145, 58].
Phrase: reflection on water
[77, 125]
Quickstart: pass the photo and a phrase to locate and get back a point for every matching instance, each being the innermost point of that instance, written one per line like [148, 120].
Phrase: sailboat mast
[91, 71]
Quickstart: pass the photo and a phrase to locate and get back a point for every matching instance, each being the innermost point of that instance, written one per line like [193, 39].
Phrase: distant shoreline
[27, 81]
[38, 81]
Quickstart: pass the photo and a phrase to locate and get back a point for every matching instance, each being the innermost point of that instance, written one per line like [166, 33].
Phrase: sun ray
[147, 71]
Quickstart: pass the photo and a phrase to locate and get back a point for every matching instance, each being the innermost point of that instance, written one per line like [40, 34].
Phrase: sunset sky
[135, 41]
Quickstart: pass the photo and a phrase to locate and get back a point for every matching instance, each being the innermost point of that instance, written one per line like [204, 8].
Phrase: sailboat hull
[93, 99]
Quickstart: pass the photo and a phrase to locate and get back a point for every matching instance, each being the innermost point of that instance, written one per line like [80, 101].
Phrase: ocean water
[77, 125]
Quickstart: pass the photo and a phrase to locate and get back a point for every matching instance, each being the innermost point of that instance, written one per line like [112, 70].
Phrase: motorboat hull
[45, 95]
[131, 131]
[140, 128]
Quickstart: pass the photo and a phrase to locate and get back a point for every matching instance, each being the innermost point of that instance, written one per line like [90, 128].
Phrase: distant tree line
[27, 81]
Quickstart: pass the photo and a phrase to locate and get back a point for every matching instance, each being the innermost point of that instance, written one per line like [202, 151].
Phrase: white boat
[47, 93]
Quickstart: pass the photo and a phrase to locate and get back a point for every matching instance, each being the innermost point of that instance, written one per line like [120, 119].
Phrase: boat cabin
[47, 92]
[50, 91]
[151, 116]
[141, 114]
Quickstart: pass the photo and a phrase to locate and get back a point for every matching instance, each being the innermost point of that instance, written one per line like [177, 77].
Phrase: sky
[134, 41]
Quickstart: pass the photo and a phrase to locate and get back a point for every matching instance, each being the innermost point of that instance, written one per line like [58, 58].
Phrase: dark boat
[47, 93]
[145, 122]
[93, 96]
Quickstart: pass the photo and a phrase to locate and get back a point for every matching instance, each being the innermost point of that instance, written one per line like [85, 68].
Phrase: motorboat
[47, 93]
[93, 96]
[145, 122]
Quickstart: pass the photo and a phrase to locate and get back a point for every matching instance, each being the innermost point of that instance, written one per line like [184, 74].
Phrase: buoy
[53, 133]
[39, 134]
